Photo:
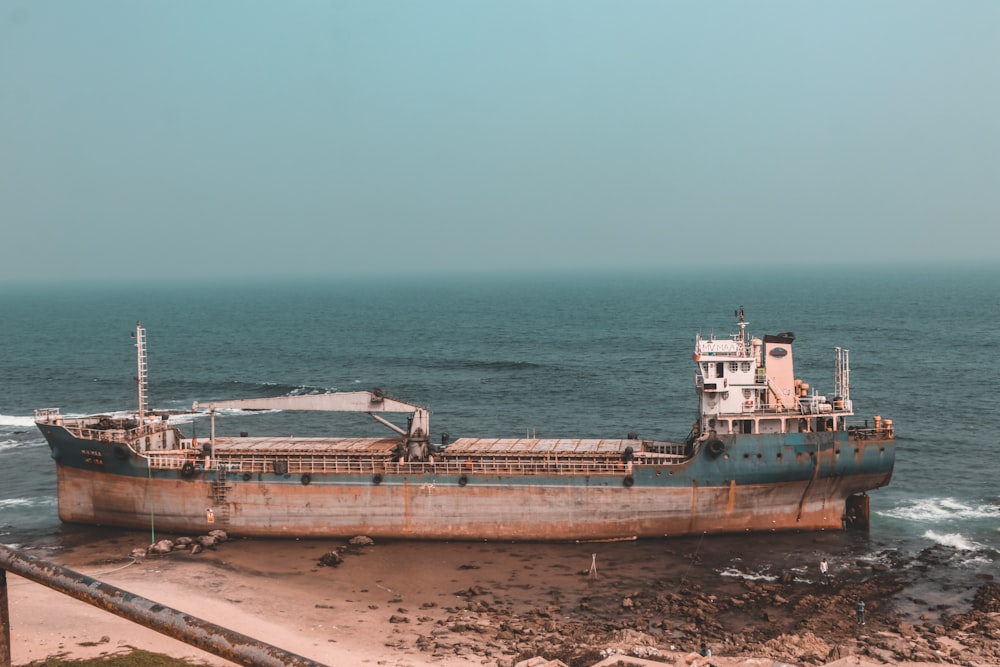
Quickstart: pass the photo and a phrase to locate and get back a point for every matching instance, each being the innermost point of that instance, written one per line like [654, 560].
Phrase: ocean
[552, 356]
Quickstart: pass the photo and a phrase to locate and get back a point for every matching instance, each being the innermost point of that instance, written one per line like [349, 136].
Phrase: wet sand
[421, 603]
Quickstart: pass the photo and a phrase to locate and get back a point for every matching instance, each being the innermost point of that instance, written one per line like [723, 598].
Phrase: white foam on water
[933, 510]
[15, 505]
[733, 572]
[16, 502]
[185, 418]
[954, 540]
[977, 561]
[13, 444]
[17, 420]
[303, 390]
[225, 412]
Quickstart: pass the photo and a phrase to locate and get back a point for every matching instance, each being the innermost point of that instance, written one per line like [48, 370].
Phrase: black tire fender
[715, 447]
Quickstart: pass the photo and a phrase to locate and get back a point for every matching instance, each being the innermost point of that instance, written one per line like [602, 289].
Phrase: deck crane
[415, 436]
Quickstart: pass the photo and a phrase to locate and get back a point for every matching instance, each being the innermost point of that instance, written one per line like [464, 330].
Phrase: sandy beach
[271, 591]
[408, 604]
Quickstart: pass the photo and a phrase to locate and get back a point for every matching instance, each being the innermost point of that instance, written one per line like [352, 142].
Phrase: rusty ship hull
[761, 483]
[766, 453]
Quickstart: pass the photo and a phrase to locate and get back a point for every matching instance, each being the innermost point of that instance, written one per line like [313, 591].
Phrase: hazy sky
[229, 139]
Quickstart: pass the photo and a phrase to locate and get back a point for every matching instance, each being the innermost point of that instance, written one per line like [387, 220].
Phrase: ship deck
[545, 448]
[232, 446]
[353, 455]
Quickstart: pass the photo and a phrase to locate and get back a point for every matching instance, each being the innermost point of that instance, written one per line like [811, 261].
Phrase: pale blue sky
[235, 139]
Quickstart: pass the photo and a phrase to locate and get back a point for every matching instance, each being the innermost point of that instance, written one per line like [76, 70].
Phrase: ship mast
[140, 344]
[743, 331]
[842, 377]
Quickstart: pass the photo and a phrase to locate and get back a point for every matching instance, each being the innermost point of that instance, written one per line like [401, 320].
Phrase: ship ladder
[220, 497]
[777, 396]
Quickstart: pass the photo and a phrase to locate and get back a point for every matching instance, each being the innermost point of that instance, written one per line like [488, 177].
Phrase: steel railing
[215, 639]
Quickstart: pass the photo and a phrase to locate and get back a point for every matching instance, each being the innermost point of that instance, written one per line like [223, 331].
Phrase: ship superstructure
[748, 386]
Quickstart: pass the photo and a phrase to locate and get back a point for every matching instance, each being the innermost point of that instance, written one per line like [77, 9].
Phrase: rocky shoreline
[790, 620]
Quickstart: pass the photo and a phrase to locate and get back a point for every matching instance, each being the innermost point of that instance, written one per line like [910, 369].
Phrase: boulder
[162, 547]
[206, 540]
[331, 559]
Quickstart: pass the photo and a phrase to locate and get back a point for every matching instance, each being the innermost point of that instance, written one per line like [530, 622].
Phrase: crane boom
[345, 401]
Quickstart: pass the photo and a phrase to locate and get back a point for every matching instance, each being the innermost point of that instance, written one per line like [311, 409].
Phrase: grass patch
[132, 658]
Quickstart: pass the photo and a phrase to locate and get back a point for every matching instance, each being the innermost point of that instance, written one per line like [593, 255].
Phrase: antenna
[140, 344]
[743, 329]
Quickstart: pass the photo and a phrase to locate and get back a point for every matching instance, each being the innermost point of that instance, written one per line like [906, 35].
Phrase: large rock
[207, 540]
[161, 547]
[331, 559]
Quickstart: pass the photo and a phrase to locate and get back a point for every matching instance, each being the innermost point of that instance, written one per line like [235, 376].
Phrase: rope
[694, 556]
[26, 582]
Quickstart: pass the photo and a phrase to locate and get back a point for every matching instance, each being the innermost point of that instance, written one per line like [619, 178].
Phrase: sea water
[549, 356]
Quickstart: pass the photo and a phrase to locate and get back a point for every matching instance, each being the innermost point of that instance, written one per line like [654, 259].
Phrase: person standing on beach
[824, 570]
[861, 612]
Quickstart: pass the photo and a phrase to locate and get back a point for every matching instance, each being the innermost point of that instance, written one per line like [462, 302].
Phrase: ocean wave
[38, 501]
[24, 444]
[929, 510]
[956, 541]
[15, 420]
[176, 418]
[16, 502]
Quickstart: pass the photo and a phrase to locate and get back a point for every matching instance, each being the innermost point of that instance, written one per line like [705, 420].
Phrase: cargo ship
[766, 453]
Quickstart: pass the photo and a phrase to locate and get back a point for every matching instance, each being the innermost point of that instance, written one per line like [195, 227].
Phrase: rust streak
[812, 479]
